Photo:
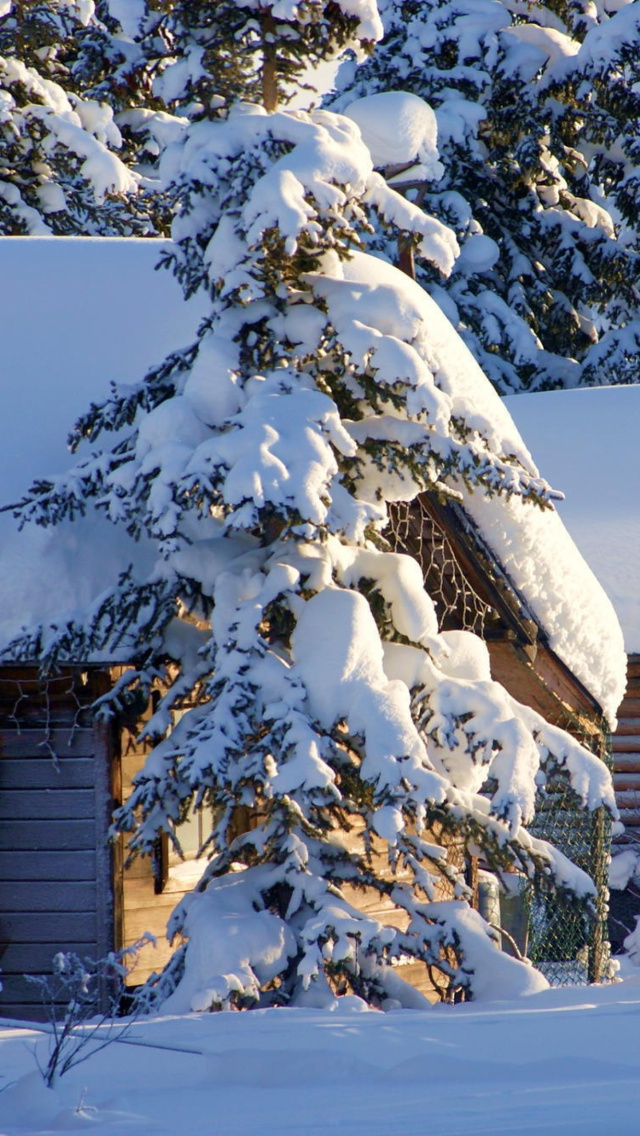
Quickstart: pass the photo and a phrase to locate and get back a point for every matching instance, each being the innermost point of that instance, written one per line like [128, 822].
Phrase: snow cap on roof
[583, 441]
[531, 544]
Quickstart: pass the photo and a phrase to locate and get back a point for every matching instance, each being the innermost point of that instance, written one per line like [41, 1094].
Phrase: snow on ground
[562, 1062]
[586, 443]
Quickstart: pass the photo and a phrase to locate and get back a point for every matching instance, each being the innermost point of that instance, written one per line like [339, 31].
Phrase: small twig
[510, 939]
[79, 981]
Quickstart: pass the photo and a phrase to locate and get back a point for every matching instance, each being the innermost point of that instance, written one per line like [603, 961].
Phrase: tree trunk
[405, 258]
[269, 64]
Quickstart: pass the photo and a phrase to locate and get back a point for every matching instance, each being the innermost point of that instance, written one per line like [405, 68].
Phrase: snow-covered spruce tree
[597, 88]
[92, 167]
[60, 168]
[207, 56]
[131, 76]
[543, 271]
[111, 56]
[320, 695]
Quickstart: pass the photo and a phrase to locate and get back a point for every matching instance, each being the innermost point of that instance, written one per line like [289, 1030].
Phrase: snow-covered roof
[586, 443]
[76, 314]
[531, 544]
[83, 312]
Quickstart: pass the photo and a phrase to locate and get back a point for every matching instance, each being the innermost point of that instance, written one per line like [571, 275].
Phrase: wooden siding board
[36, 958]
[631, 820]
[22, 1012]
[44, 866]
[626, 781]
[103, 748]
[19, 991]
[143, 911]
[38, 743]
[150, 960]
[631, 706]
[626, 726]
[628, 744]
[625, 745]
[46, 804]
[627, 763]
[48, 927]
[55, 807]
[48, 836]
[41, 773]
[509, 666]
[628, 799]
[17, 896]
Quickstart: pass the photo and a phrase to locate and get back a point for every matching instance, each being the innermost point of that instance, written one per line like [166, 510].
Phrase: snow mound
[398, 127]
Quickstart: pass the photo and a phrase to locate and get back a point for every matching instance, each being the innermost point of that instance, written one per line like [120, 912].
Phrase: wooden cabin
[64, 887]
[56, 790]
[624, 906]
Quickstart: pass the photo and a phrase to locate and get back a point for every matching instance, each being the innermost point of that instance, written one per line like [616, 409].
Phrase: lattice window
[414, 530]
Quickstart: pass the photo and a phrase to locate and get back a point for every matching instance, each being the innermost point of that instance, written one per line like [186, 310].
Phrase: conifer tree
[526, 116]
[598, 89]
[132, 78]
[319, 694]
[214, 54]
[62, 168]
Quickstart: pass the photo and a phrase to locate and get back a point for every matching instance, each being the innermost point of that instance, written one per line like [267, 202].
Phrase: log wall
[626, 756]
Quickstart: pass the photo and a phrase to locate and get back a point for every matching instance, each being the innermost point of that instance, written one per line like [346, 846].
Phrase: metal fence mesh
[568, 940]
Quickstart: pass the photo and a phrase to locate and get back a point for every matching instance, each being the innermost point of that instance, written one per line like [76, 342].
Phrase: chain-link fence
[568, 940]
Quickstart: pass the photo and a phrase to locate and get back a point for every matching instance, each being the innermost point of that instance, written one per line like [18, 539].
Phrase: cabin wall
[62, 887]
[626, 756]
[144, 906]
[624, 905]
[55, 865]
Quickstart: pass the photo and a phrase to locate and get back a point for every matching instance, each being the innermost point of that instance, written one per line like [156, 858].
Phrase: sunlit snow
[585, 440]
[560, 1062]
[79, 314]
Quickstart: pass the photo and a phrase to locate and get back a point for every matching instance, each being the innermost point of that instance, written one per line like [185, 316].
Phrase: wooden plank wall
[55, 868]
[626, 756]
[142, 910]
[624, 905]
